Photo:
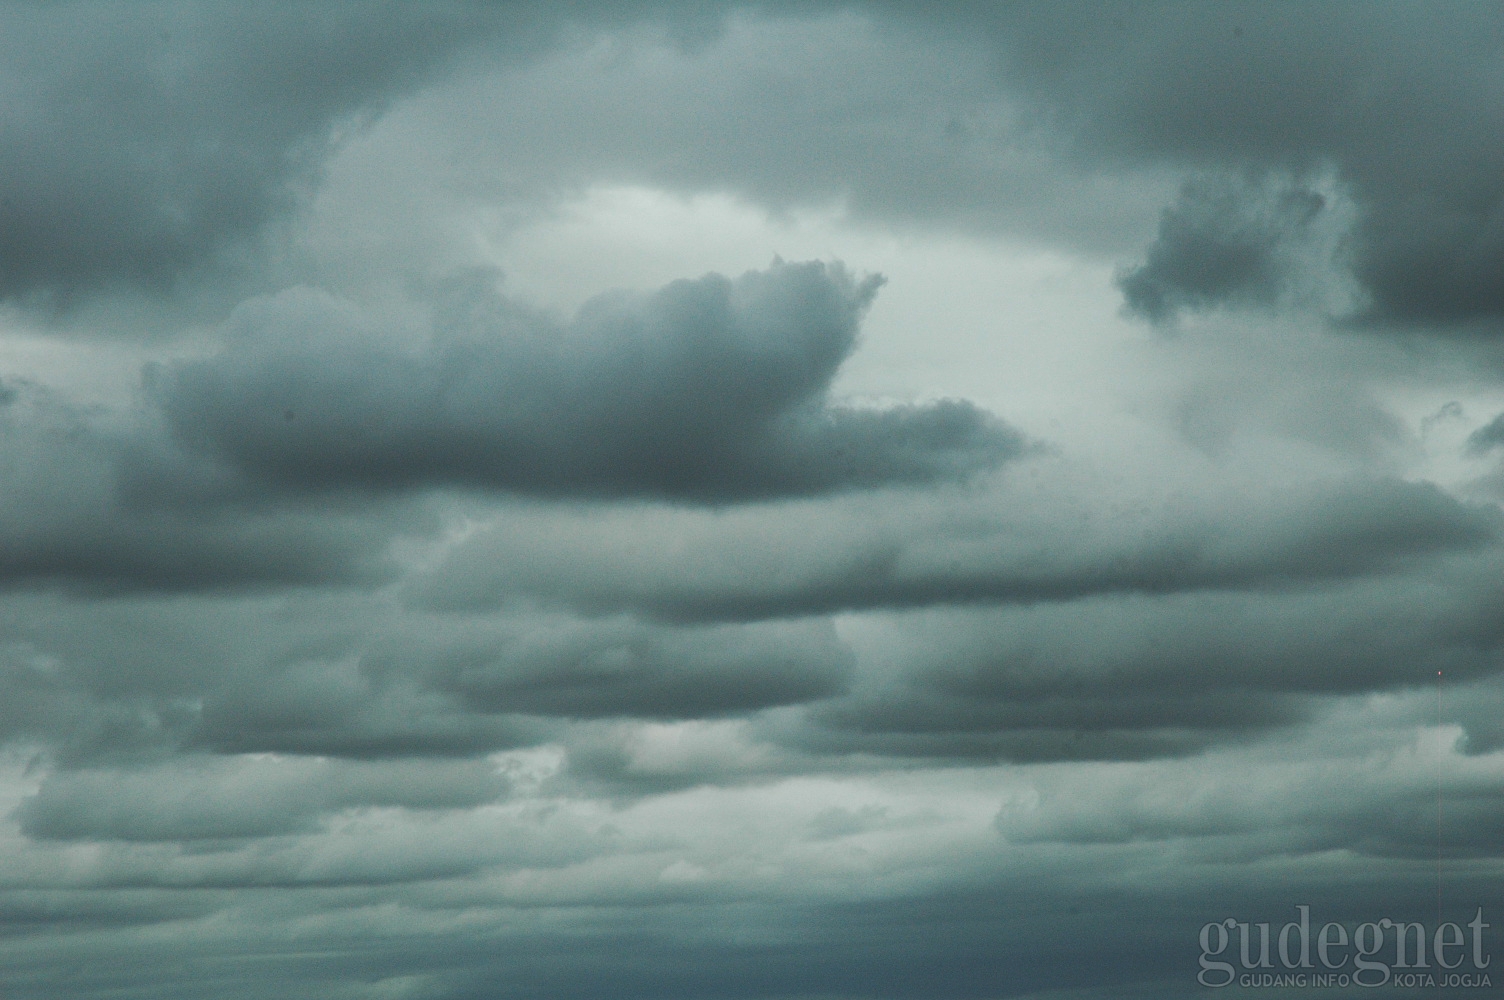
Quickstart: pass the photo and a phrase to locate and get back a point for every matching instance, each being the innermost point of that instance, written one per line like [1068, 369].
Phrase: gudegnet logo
[1381, 952]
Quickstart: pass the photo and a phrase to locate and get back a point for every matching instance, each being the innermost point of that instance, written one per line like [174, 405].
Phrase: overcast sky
[785, 501]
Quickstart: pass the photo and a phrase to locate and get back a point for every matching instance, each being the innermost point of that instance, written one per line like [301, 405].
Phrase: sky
[772, 501]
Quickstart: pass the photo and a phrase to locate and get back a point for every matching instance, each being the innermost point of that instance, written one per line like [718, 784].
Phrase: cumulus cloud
[711, 391]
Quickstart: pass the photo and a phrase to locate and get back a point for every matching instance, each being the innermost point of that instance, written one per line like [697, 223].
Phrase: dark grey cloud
[1116, 679]
[786, 105]
[208, 798]
[351, 674]
[1111, 676]
[1401, 102]
[448, 686]
[68, 519]
[1043, 933]
[1063, 126]
[399, 640]
[1478, 707]
[1488, 437]
[1381, 807]
[137, 676]
[1219, 245]
[145, 142]
[622, 668]
[337, 710]
[167, 143]
[821, 559]
[712, 391]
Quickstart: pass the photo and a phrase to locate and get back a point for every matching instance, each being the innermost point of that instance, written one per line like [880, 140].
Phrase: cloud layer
[441, 558]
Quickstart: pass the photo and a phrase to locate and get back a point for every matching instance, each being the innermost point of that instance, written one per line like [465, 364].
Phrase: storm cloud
[711, 390]
[1401, 107]
[756, 563]
[1220, 247]
[441, 557]
[161, 139]
[69, 520]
